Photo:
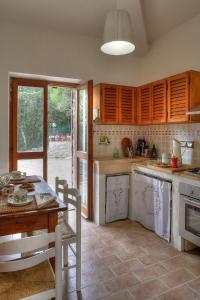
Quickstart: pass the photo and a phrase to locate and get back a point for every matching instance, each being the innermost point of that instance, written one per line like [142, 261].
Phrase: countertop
[180, 176]
[112, 160]
[110, 165]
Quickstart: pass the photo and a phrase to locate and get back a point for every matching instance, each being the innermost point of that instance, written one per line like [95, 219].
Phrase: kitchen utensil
[143, 147]
[131, 152]
[154, 154]
[125, 144]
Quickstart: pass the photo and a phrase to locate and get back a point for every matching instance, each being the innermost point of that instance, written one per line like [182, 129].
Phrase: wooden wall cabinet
[159, 102]
[152, 103]
[144, 99]
[115, 104]
[127, 111]
[178, 98]
[183, 95]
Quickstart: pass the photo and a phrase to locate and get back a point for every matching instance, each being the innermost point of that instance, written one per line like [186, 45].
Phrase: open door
[84, 153]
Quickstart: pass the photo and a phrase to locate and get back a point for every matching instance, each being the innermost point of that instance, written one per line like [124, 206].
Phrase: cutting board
[172, 170]
[125, 143]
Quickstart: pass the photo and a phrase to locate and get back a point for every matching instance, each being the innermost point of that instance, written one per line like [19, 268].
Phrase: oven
[189, 220]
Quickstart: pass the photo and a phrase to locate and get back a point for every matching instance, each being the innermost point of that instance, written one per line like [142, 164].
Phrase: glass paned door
[85, 147]
[30, 108]
[41, 128]
[59, 160]
[29, 130]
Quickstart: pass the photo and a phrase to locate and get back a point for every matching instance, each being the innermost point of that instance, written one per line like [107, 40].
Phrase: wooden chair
[71, 198]
[31, 277]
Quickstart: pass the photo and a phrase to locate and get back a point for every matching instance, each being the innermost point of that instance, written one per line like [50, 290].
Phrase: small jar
[116, 153]
[165, 158]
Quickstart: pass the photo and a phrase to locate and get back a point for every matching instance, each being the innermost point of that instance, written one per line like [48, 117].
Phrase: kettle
[176, 151]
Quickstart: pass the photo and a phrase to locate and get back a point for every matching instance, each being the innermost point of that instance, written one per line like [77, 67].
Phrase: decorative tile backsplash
[160, 135]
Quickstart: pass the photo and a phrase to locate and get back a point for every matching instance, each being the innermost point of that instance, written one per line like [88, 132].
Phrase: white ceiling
[161, 16]
[86, 17]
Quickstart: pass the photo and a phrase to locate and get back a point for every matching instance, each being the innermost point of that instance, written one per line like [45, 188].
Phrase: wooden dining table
[30, 218]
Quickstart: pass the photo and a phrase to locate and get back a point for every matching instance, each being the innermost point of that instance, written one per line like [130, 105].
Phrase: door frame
[14, 156]
[89, 154]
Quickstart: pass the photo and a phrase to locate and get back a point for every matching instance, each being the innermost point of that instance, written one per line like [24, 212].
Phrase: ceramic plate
[13, 202]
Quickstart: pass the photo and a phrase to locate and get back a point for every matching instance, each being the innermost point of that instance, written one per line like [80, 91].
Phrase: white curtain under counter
[150, 203]
[117, 197]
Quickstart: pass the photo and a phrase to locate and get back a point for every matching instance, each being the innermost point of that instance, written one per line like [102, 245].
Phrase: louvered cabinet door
[159, 102]
[109, 104]
[144, 104]
[126, 105]
[178, 98]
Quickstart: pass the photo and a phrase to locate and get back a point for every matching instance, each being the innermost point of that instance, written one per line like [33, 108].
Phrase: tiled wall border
[161, 135]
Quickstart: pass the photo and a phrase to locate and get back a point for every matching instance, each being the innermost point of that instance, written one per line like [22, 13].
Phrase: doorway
[59, 154]
[51, 133]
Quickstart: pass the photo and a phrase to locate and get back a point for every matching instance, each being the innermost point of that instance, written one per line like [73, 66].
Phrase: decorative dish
[12, 201]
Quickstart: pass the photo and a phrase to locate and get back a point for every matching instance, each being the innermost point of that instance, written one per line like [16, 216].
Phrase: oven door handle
[191, 202]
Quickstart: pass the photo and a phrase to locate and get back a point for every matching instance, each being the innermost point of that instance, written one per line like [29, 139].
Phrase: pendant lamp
[117, 37]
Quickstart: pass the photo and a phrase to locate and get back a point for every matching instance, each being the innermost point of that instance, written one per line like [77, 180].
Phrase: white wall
[177, 51]
[34, 51]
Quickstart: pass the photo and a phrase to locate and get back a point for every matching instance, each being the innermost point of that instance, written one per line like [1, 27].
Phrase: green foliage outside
[30, 115]
[59, 101]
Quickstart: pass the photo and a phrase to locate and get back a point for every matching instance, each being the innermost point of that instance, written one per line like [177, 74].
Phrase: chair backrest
[72, 196]
[31, 244]
[59, 185]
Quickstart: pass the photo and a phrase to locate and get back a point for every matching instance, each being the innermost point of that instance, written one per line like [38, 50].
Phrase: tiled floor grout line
[195, 276]
[177, 286]
[198, 294]
[171, 272]
[153, 297]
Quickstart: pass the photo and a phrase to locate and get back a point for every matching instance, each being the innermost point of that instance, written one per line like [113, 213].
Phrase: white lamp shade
[117, 38]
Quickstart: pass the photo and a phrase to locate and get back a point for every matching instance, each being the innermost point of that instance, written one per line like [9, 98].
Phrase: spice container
[174, 162]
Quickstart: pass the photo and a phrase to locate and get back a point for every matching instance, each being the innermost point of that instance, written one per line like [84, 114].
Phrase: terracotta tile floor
[124, 261]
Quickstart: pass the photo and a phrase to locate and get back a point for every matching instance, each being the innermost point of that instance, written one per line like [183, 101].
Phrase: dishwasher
[117, 196]
[151, 203]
